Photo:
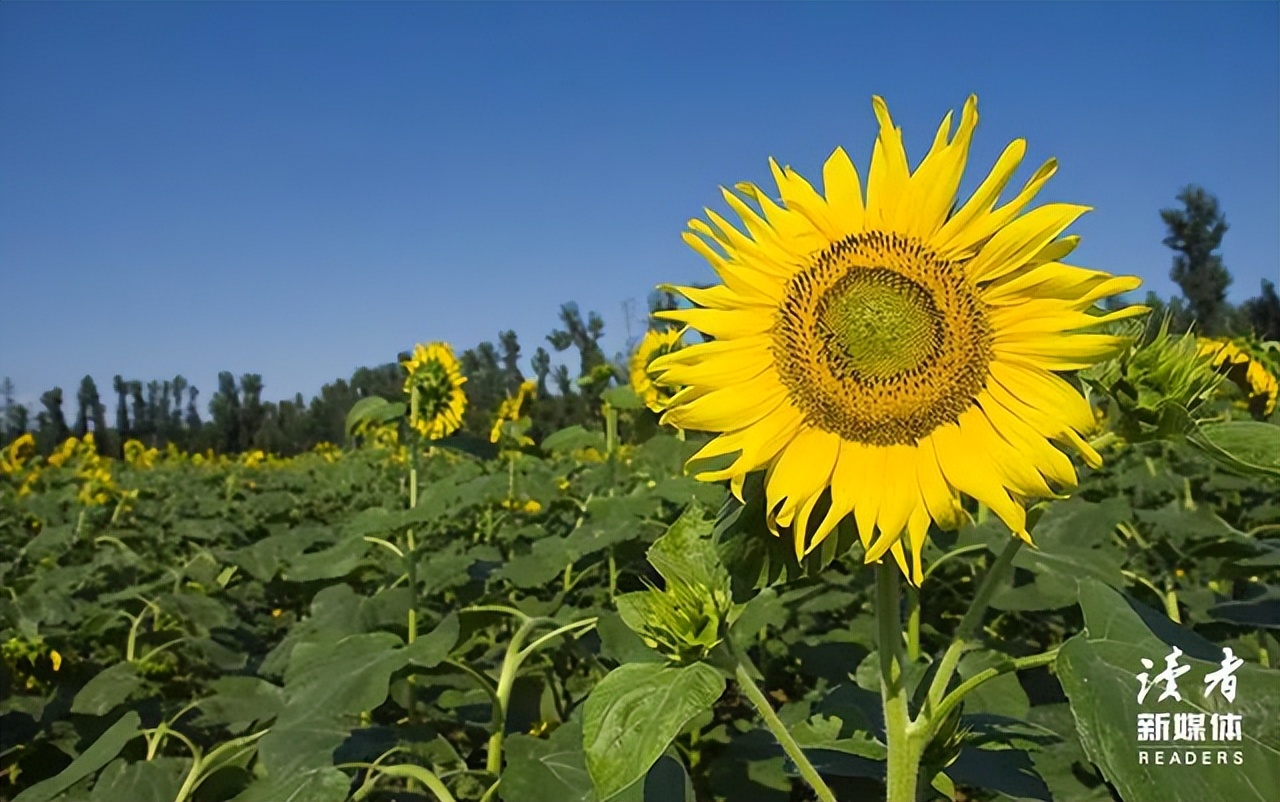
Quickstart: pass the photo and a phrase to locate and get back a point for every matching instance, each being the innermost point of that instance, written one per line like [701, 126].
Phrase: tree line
[236, 419]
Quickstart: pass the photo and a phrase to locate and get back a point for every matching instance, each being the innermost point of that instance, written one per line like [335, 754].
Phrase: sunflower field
[919, 516]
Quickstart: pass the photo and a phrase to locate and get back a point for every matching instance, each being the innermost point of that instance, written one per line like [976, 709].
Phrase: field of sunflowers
[976, 554]
[189, 627]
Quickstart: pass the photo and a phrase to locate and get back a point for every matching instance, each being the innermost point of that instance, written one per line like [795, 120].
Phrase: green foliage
[1098, 670]
[229, 601]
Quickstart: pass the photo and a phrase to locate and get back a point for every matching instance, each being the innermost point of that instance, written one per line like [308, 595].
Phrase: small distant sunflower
[653, 345]
[434, 387]
[1244, 370]
[511, 409]
[880, 357]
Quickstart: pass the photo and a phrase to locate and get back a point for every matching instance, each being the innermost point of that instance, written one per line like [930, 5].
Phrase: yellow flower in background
[434, 386]
[879, 356]
[653, 345]
[138, 455]
[1244, 370]
[253, 458]
[64, 452]
[512, 409]
[18, 453]
[328, 452]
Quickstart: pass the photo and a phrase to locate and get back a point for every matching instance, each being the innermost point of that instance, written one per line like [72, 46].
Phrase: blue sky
[298, 189]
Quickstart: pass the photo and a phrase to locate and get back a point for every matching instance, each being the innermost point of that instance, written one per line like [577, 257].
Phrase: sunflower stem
[902, 737]
[410, 552]
[913, 623]
[971, 622]
[757, 698]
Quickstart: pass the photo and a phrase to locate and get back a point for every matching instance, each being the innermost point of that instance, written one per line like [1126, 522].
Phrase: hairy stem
[753, 693]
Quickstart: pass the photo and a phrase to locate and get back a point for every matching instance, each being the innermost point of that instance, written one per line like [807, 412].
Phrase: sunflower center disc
[881, 341]
[880, 322]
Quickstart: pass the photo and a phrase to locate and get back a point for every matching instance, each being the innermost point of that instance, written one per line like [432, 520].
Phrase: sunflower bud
[1155, 387]
[688, 618]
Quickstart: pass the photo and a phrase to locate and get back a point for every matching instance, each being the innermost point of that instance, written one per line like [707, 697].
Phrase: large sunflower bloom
[434, 387]
[879, 358]
[652, 345]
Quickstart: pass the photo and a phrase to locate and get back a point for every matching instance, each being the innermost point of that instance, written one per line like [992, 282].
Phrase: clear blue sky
[298, 189]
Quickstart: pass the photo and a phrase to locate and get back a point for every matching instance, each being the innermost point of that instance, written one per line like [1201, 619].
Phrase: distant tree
[1262, 314]
[385, 381]
[194, 424]
[141, 426]
[486, 385]
[541, 369]
[252, 412]
[91, 415]
[224, 409]
[51, 424]
[509, 346]
[10, 430]
[328, 412]
[122, 408]
[1195, 234]
[584, 336]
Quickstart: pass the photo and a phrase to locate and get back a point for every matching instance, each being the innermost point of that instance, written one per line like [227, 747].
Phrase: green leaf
[237, 702]
[316, 785]
[155, 780]
[429, 650]
[622, 397]
[572, 438]
[108, 689]
[635, 712]
[102, 752]
[1001, 695]
[1249, 447]
[686, 552]
[374, 409]
[552, 769]
[1098, 669]
[324, 682]
[1073, 540]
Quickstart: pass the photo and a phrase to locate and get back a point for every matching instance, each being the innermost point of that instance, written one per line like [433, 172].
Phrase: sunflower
[653, 345]
[880, 357]
[511, 409]
[434, 387]
[1245, 371]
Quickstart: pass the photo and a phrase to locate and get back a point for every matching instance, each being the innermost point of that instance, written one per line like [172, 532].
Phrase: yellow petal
[1016, 243]
[982, 200]
[887, 180]
[726, 409]
[1063, 352]
[936, 181]
[844, 191]
[721, 323]
[956, 243]
[972, 472]
[799, 195]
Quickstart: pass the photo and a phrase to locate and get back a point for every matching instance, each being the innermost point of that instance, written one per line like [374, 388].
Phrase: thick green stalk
[913, 623]
[743, 674]
[904, 748]
[506, 680]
